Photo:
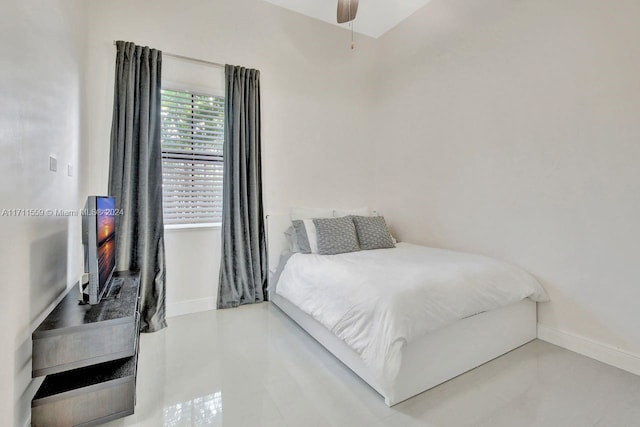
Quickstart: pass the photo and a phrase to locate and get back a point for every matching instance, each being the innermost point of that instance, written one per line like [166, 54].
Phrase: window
[192, 157]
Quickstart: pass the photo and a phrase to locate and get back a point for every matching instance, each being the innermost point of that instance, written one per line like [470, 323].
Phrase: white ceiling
[375, 17]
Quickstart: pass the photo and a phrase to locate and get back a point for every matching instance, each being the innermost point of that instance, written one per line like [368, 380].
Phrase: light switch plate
[53, 163]
[69, 170]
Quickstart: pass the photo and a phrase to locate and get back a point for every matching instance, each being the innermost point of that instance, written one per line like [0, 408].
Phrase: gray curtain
[135, 176]
[243, 269]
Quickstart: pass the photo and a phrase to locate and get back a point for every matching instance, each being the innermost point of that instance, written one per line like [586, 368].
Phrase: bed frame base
[438, 356]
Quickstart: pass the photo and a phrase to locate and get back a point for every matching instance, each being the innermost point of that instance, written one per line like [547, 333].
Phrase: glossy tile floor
[252, 366]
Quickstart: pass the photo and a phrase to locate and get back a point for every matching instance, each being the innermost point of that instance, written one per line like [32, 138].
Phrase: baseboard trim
[190, 306]
[587, 347]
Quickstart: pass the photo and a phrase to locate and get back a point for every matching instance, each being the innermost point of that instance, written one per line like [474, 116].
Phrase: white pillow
[297, 212]
[363, 211]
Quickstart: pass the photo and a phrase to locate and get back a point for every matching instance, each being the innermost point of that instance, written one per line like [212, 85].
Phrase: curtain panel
[243, 268]
[135, 176]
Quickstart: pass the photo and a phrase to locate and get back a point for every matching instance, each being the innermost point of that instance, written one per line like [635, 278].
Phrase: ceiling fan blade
[347, 10]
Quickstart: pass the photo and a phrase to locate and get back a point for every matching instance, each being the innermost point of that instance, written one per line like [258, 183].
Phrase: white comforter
[376, 301]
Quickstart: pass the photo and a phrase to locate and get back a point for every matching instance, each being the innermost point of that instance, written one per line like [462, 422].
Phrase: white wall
[193, 264]
[511, 129]
[315, 97]
[41, 58]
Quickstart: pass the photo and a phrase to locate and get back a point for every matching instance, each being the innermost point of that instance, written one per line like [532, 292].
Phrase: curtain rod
[188, 58]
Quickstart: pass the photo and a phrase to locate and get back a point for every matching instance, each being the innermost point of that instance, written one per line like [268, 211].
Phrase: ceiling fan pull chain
[351, 24]
[353, 45]
[347, 10]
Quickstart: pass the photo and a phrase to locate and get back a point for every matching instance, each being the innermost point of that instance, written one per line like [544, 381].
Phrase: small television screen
[105, 239]
[99, 241]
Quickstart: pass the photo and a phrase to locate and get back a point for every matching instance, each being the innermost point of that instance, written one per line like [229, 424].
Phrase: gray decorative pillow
[373, 232]
[336, 235]
[301, 236]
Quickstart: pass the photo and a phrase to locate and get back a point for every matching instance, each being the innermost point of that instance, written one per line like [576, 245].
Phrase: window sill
[182, 227]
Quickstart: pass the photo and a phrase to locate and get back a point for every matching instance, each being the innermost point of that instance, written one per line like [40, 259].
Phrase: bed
[427, 360]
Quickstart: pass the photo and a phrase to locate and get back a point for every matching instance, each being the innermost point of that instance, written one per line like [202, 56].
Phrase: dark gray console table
[89, 354]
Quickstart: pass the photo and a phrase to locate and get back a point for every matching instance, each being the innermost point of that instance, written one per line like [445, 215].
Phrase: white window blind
[192, 157]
